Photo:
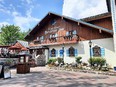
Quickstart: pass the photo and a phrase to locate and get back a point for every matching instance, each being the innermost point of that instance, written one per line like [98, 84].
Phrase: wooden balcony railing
[59, 40]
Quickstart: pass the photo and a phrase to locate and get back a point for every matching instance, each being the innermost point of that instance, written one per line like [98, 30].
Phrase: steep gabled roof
[23, 43]
[50, 15]
[96, 17]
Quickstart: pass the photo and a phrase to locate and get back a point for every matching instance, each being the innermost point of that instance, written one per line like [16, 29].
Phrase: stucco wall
[83, 50]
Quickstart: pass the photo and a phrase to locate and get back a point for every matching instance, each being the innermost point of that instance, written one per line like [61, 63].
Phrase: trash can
[5, 71]
[23, 66]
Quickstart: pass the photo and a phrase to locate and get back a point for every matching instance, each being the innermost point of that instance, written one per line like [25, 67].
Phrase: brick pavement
[44, 77]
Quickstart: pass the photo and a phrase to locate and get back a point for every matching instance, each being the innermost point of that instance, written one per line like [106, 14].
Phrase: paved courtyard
[43, 77]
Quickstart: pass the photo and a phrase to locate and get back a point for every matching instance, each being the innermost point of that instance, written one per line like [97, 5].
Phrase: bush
[51, 61]
[60, 60]
[97, 62]
[78, 60]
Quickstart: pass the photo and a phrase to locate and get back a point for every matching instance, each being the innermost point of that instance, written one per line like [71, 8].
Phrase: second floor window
[37, 38]
[53, 35]
[73, 32]
[42, 38]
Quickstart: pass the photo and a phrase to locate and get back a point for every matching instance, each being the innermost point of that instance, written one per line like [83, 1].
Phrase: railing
[59, 40]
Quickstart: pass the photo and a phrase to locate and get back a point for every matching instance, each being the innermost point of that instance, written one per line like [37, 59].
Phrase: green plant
[97, 62]
[51, 61]
[9, 62]
[78, 60]
[60, 60]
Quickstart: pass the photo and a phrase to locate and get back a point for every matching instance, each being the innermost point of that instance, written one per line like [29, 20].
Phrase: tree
[10, 34]
[23, 34]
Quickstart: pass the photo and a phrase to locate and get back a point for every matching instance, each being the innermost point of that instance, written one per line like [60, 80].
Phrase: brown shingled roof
[96, 17]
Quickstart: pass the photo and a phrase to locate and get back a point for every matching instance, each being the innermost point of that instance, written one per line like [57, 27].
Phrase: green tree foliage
[22, 35]
[10, 34]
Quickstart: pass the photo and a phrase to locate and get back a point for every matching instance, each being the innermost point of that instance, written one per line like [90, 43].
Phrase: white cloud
[24, 22]
[29, 1]
[83, 8]
[3, 23]
[2, 1]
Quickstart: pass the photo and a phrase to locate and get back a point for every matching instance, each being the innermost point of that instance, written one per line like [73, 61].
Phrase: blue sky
[27, 13]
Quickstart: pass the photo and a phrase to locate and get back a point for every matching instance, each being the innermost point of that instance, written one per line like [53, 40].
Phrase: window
[73, 32]
[42, 38]
[37, 38]
[53, 22]
[96, 51]
[53, 53]
[71, 51]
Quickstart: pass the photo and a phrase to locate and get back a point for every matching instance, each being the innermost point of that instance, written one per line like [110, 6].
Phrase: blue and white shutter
[91, 50]
[60, 53]
[76, 52]
[56, 53]
[102, 52]
[67, 53]
[49, 53]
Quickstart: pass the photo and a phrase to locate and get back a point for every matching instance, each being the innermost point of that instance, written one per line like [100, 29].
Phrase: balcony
[60, 40]
[37, 42]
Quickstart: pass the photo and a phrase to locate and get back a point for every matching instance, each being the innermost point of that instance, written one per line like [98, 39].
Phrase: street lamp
[90, 44]
[63, 50]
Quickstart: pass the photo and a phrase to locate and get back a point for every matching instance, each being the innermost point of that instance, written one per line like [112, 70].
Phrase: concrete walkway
[43, 77]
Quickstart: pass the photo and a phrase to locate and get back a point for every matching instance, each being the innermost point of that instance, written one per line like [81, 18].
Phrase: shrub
[9, 62]
[78, 60]
[51, 61]
[60, 60]
[97, 62]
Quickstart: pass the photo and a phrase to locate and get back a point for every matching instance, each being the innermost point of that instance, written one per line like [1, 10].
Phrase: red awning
[24, 49]
[14, 47]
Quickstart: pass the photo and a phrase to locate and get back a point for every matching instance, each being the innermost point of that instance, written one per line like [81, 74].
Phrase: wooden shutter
[67, 52]
[91, 51]
[102, 52]
[49, 53]
[56, 53]
[76, 52]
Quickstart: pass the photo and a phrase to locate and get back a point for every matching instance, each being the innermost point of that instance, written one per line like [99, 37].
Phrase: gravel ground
[44, 77]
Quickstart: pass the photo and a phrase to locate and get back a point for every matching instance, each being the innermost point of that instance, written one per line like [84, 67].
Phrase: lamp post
[90, 44]
[63, 50]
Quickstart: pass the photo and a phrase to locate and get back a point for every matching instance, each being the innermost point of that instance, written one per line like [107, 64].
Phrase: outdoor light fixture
[63, 50]
[90, 44]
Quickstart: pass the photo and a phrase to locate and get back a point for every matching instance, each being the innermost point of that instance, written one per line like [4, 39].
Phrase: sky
[27, 13]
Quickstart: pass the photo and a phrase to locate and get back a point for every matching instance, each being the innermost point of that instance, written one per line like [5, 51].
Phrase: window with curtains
[96, 51]
[53, 53]
[71, 51]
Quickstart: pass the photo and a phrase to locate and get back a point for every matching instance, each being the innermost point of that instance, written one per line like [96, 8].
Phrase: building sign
[53, 30]
[7, 73]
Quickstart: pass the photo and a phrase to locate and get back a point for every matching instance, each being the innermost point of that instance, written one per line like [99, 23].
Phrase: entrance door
[41, 59]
